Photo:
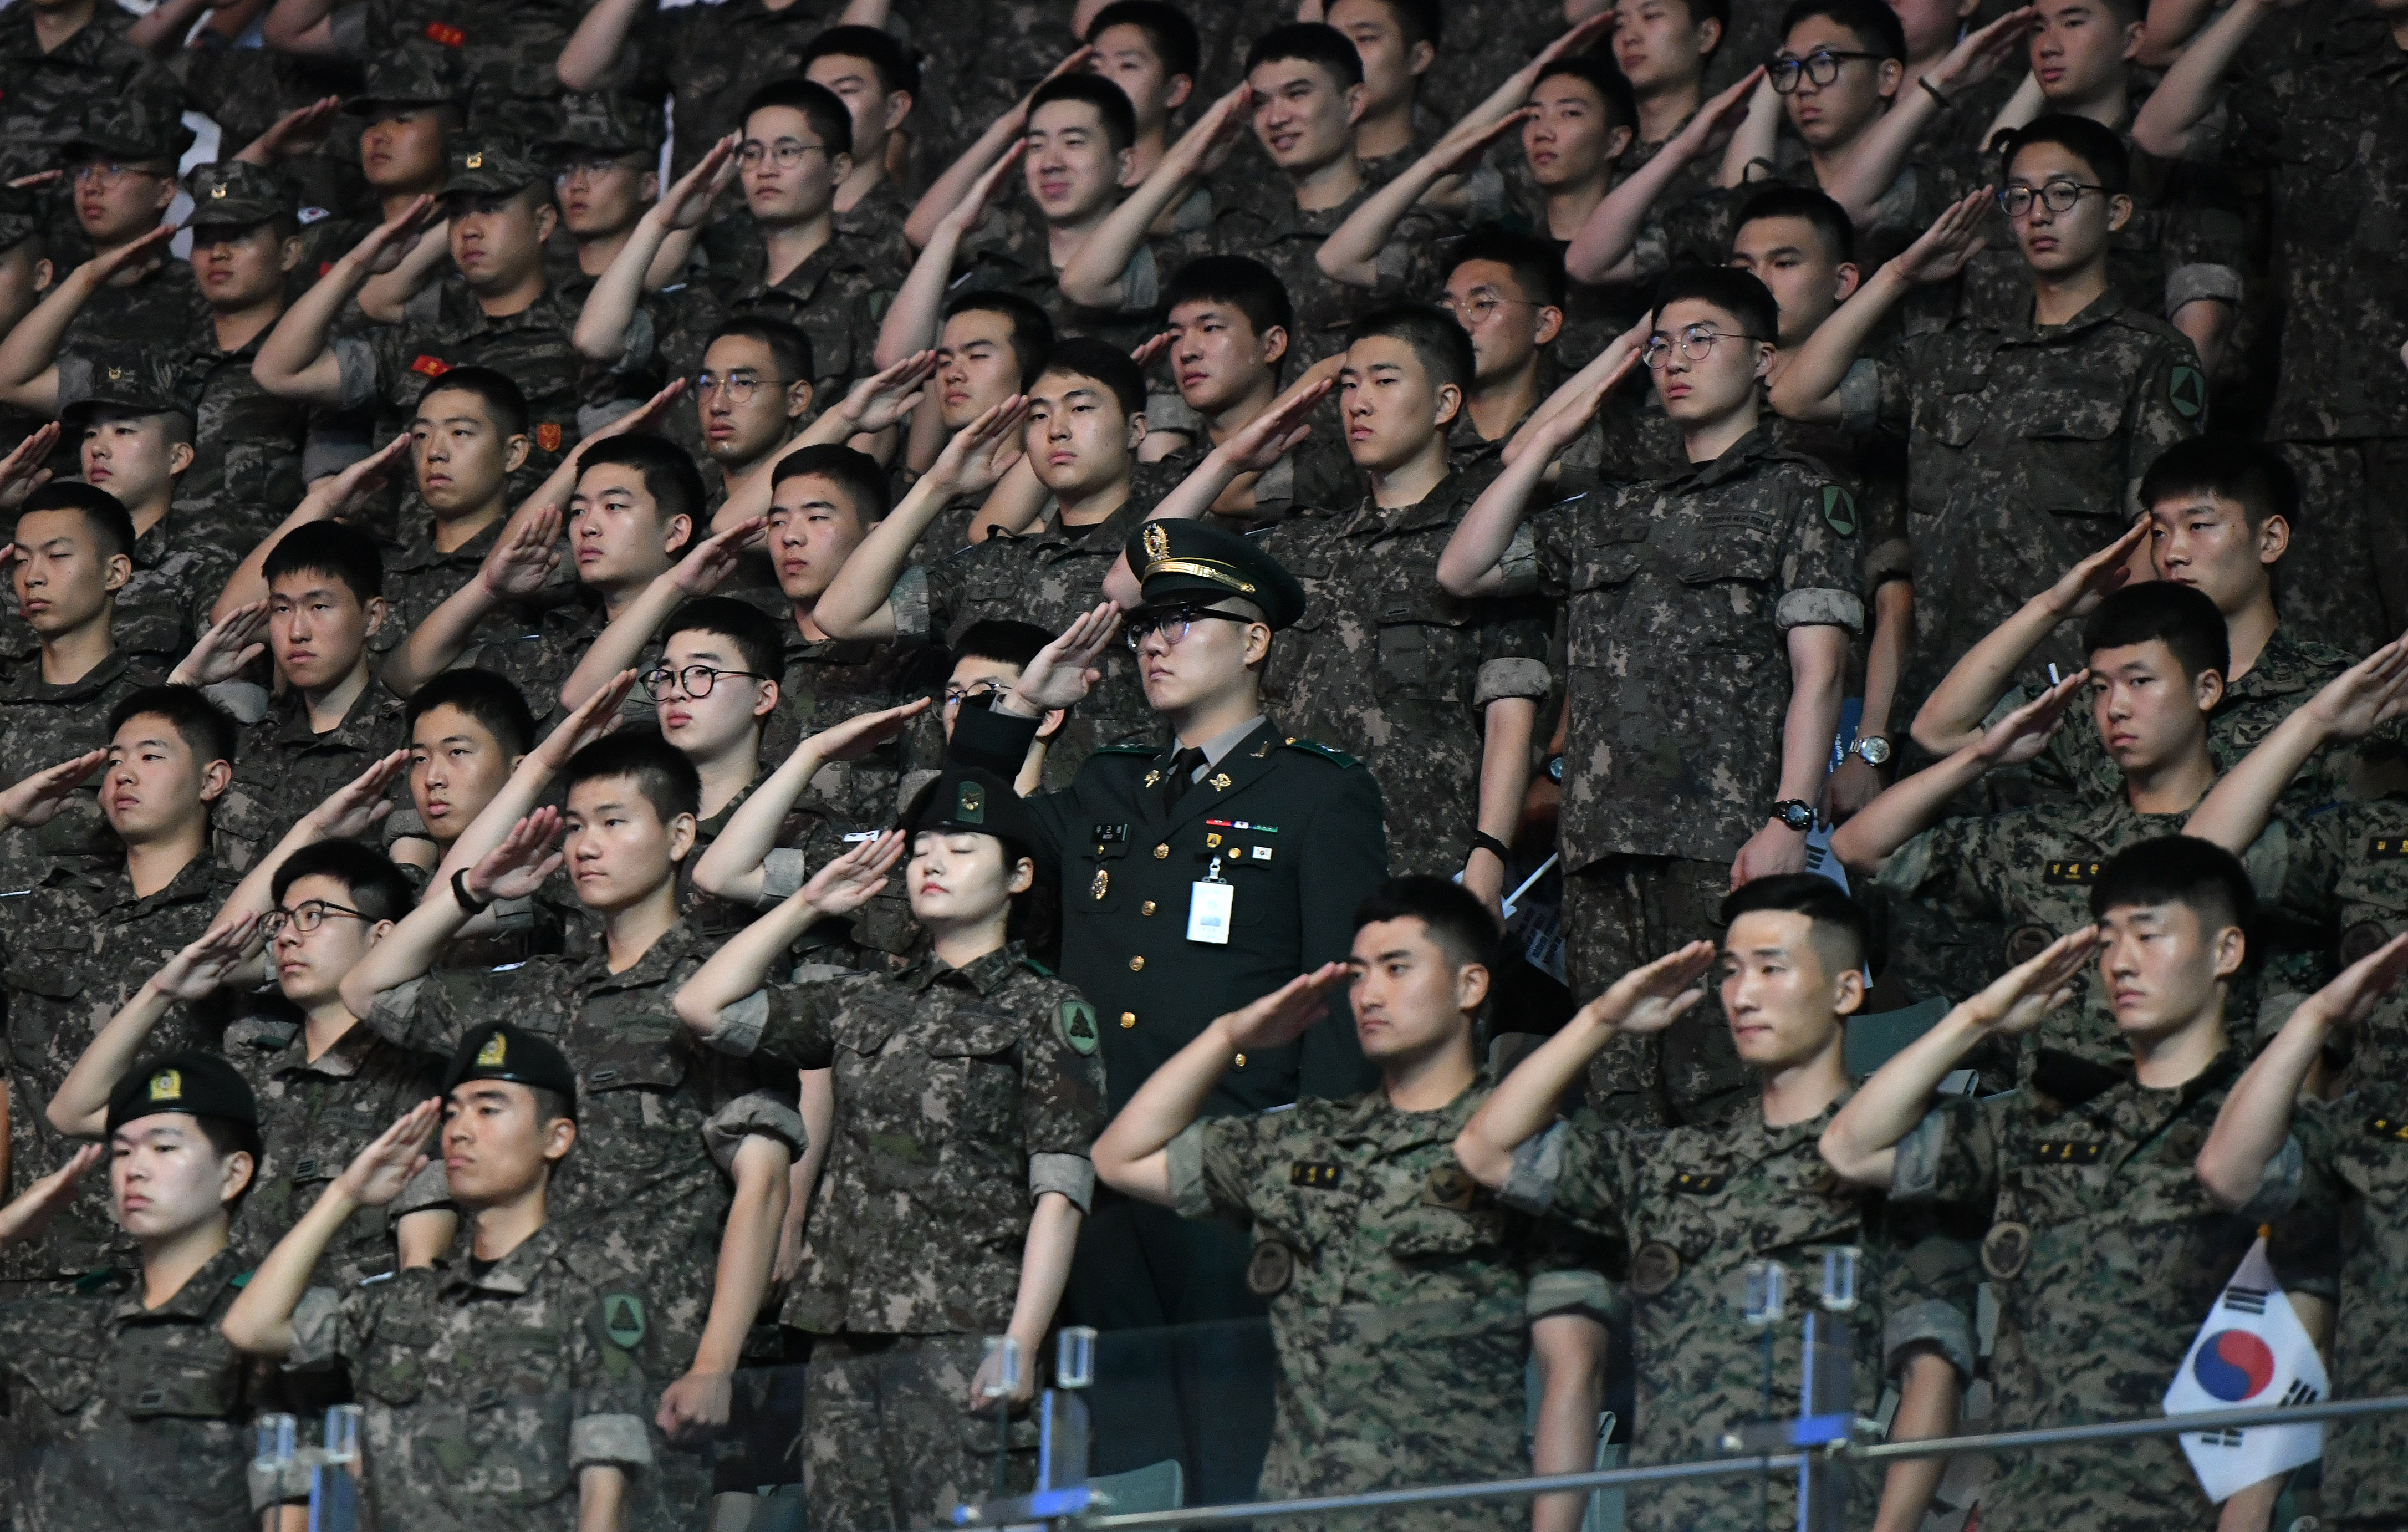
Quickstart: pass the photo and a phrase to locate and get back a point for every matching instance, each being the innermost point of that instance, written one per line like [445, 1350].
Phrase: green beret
[501, 1052]
[974, 799]
[1188, 563]
[196, 1084]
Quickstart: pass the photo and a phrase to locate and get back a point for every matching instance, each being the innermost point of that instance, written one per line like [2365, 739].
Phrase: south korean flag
[2251, 1352]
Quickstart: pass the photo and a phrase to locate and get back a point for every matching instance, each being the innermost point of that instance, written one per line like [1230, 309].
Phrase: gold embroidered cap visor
[1184, 563]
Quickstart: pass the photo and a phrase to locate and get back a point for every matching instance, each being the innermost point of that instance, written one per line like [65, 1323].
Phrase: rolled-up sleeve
[756, 1114]
[1072, 1175]
[613, 1441]
[323, 1331]
[1185, 1157]
[738, 1033]
[1531, 1185]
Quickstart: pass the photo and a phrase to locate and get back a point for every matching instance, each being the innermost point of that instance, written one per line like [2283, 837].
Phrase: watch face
[1794, 813]
[1873, 749]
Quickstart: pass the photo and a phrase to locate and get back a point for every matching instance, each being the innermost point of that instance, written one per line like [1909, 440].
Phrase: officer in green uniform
[1196, 876]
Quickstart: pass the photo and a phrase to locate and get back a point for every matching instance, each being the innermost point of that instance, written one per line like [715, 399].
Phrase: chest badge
[1655, 1267]
[1102, 885]
[623, 1319]
[2005, 1249]
[1269, 1270]
[1451, 1188]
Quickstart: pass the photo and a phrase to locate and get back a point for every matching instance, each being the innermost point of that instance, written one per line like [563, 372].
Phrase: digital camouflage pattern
[1261, 220]
[2368, 844]
[1011, 250]
[42, 724]
[710, 62]
[965, 1094]
[484, 1395]
[162, 309]
[126, 1417]
[72, 950]
[1686, 1212]
[2104, 1254]
[2026, 448]
[887, 1439]
[837, 296]
[418, 578]
[284, 767]
[1620, 912]
[1401, 1295]
[43, 96]
[1389, 668]
[509, 56]
[314, 1115]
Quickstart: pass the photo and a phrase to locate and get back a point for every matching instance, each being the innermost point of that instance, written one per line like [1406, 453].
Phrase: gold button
[1242, 1061]
[1128, 1018]
[1137, 965]
[1161, 852]
[1147, 908]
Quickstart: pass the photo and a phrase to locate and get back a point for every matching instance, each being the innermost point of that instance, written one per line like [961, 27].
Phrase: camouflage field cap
[414, 73]
[196, 1084]
[21, 216]
[136, 126]
[492, 164]
[234, 194]
[126, 378]
[612, 122]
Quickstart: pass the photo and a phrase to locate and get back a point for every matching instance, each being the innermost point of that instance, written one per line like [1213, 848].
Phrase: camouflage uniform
[1313, 473]
[2322, 112]
[283, 768]
[2026, 445]
[1010, 252]
[1689, 1210]
[963, 1096]
[418, 579]
[314, 1115]
[709, 61]
[486, 1392]
[982, 56]
[1387, 666]
[837, 296]
[1269, 228]
[42, 724]
[1401, 1295]
[1702, 577]
[43, 96]
[76, 947]
[2104, 1251]
[123, 1416]
[508, 55]
[2368, 844]
[534, 647]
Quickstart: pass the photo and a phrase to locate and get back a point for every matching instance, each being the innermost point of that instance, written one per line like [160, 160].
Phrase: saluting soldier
[1196, 876]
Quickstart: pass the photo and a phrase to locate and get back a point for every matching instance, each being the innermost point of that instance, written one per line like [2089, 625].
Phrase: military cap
[505, 1052]
[145, 383]
[1186, 562]
[610, 121]
[972, 798]
[234, 194]
[21, 216]
[416, 73]
[137, 125]
[197, 1084]
[491, 166]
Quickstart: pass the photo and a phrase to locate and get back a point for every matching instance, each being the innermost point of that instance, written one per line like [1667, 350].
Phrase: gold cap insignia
[1158, 541]
[218, 191]
[492, 1055]
[117, 374]
[969, 804]
[476, 160]
[167, 1085]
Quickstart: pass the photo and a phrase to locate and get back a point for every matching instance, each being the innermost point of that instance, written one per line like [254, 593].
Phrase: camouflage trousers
[887, 1442]
[2344, 580]
[1620, 912]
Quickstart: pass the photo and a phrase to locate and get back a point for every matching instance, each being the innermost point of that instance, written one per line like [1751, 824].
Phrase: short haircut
[504, 403]
[668, 472]
[790, 349]
[856, 473]
[2249, 473]
[328, 547]
[756, 638]
[1841, 937]
[1438, 343]
[2178, 869]
[225, 1136]
[205, 728]
[1455, 919]
[2181, 617]
[104, 515]
[1168, 31]
[1032, 330]
[494, 701]
[2095, 144]
[1001, 640]
[1418, 21]
[898, 67]
[1717, 11]
[1875, 26]
[1599, 75]
[661, 771]
[1537, 265]
[1809, 205]
[1112, 105]
[1739, 293]
[376, 888]
[1310, 42]
[1084, 356]
[822, 107]
[1245, 284]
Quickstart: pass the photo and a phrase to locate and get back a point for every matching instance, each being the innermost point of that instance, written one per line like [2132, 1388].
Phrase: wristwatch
[1872, 749]
[1796, 814]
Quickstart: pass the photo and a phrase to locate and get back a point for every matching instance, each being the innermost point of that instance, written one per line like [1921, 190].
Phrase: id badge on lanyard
[1209, 908]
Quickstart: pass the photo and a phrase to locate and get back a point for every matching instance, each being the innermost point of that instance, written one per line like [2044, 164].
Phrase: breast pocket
[50, 964]
[1102, 876]
[2073, 457]
[1605, 566]
[1946, 425]
[1425, 659]
[629, 1082]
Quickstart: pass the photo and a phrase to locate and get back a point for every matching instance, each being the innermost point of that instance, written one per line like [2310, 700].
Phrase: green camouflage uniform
[1269, 227]
[43, 96]
[42, 724]
[510, 54]
[285, 768]
[709, 61]
[1401, 1295]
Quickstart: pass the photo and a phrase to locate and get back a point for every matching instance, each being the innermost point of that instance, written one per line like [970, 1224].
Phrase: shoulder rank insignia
[1343, 760]
[1320, 1176]
[2070, 871]
[2387, 847]
[2393, 1128]
[623, 1319]
[1699, 1183]
[2078, 1151]
[1075, 1020]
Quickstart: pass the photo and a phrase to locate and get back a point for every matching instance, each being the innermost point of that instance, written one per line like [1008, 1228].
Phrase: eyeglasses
[2060, 196]
[308, 918]
[1476, 309]
[694, 680]
[956, 695]
[1173, 624]
[1696, 343]
[109, 172]
[739, 385]
[590, 166]
[1822, 66]
[786, 153]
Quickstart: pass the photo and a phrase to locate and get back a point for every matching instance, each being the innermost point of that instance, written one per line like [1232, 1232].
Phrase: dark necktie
[1183, 767]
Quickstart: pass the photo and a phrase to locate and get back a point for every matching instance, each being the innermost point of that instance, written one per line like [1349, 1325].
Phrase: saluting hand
[2016, 1000]
[1654, 995]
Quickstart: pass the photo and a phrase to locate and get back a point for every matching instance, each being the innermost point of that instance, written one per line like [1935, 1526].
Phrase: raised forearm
[854, 605]
[260, 1322]
[1092, 277]
[1952, 717]
[1526, 1100]
[1753, 142]
[593, 48]
[436, 644]
[601, 333]
[1351, 254]
[622, 641]
[742, 964]
[731, 867]
[79, 1108]
[1861, 1142]
[2255, 1117]
[1600, 252]
[1902, 811]
[1468, 566]
[914, 320]
[2235, 811]
[28, 373]
[1129, 1157]
[601, 1497]
[386, 293]
[953, 187]
[2166, 120]
[1808, 387]
[297, 343]
[409, 950]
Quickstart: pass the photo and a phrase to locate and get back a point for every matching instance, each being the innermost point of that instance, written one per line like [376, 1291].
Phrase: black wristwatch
[1482, 841]
[469, 902]
[1794, 813]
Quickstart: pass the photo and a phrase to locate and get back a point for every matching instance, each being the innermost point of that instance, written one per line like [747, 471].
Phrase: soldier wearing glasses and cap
[1197, 876]
[605, 172]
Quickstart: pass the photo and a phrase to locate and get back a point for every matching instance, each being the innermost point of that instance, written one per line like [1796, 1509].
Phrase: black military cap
[416, 73]
[21, 216]
[505, 1052]
[612, 122]
[1186, 562]
[137, 125]
[971, 798]
[197, 1084]
[128, 378]
[232, 193]
[492, 166]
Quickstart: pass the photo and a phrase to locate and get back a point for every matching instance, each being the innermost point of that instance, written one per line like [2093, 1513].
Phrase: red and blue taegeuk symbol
[2233, 1365]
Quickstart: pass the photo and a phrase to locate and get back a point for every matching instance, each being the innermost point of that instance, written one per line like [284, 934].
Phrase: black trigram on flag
[2217, 1439]
[2246, 1300]
[2300, 1393]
